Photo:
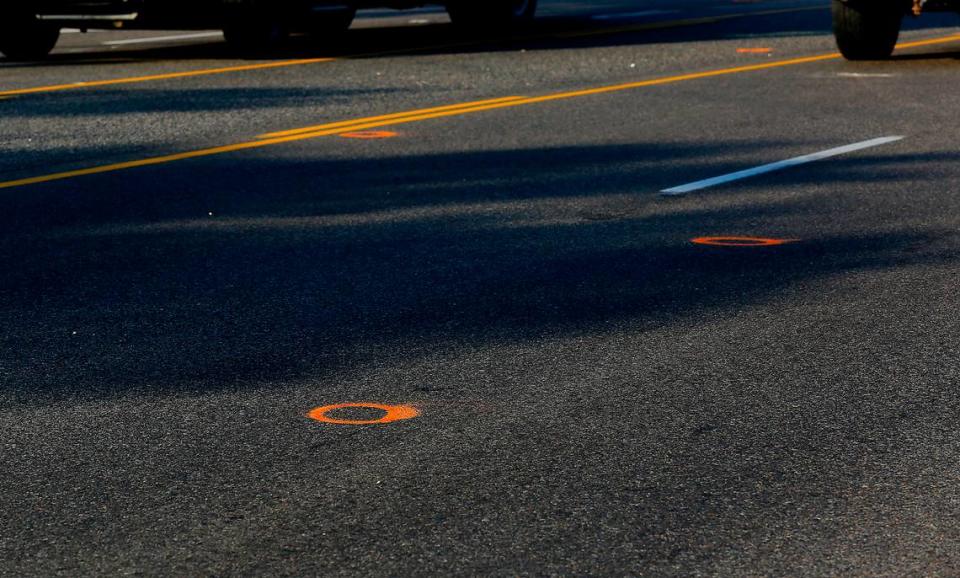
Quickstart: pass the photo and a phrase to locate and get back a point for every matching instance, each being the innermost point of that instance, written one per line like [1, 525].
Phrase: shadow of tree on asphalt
[122, 285]
[131, 287]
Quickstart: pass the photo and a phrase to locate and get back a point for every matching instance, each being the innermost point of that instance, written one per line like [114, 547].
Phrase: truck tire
[491, 15]
[23, 37]
[255, 32]
[866, 29]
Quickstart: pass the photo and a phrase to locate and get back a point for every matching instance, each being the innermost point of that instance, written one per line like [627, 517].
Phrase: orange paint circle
[741, 241]
[392, 413]
[369, 134]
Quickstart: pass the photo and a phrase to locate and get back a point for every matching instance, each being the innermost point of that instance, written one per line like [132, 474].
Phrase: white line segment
[780, 165]
[163, 38]
[864, 75]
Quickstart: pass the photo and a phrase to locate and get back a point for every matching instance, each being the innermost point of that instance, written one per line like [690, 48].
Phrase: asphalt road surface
[195, 258]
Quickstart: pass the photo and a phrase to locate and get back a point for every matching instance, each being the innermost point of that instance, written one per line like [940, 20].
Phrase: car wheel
[26, 38]
[866, 29]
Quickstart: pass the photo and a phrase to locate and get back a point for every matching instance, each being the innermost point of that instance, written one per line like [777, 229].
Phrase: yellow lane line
[350, 124]
[362, 124]
[306, 61]
[930, 41]
[514, 101]
[438, 112]
[154, 77]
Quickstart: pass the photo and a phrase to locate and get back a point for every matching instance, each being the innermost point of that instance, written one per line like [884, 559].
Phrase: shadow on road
[306, 270]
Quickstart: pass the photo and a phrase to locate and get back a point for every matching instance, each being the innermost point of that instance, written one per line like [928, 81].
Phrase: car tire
[491, 15]
[866, 29]
[254, 33]
[26, 38]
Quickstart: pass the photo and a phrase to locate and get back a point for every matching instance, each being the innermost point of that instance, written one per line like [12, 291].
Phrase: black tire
[491, 15]
[867, 29]
[255, 32]
[23, 37]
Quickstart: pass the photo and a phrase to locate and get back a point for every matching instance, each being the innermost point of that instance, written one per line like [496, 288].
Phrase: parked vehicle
[868, 29]
[29, 29]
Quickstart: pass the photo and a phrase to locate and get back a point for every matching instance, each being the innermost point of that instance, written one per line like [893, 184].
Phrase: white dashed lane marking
[777, 166]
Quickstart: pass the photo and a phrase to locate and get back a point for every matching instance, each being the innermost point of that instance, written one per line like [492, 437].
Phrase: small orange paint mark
[741, 241]
[392, 413]
[370, 134]
[754, 50]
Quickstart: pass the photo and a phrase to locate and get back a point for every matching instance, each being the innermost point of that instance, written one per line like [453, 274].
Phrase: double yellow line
[390, 119]
[277, 138]
[462, 109]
